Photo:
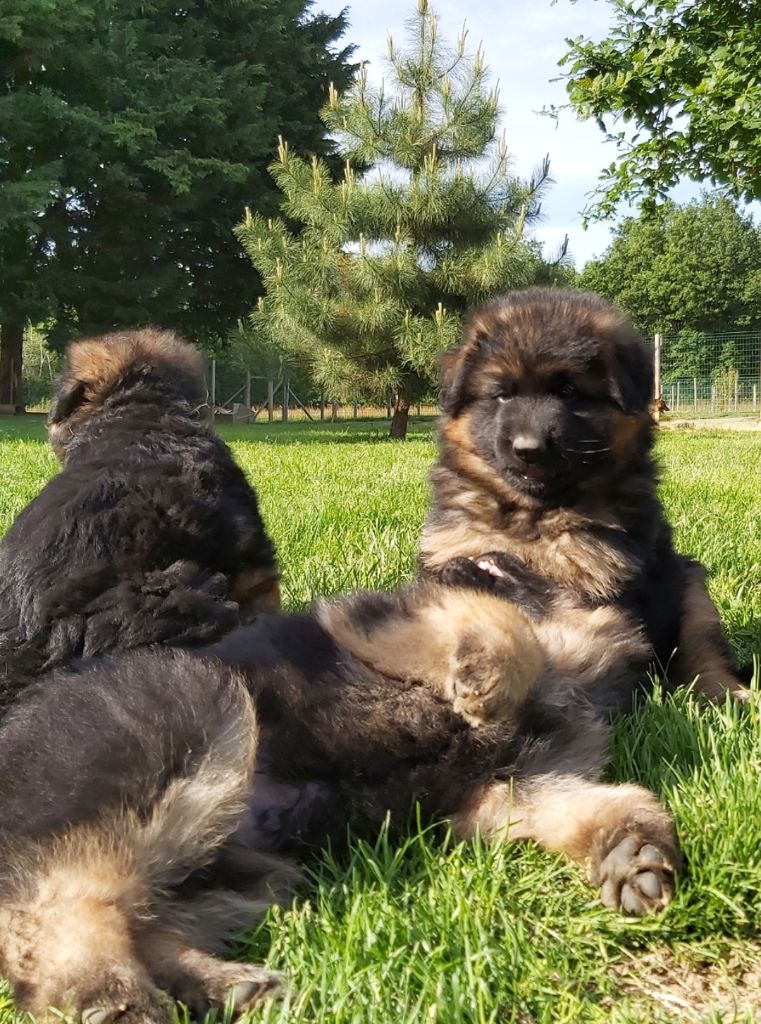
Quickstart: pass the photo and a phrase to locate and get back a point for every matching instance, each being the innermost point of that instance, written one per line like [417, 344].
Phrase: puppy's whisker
[588, 451]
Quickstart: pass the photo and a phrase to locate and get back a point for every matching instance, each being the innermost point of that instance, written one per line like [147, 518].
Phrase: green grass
[427, 931]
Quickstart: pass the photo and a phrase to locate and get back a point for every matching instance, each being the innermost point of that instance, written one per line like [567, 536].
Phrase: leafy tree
[374, 286]
[685, 76]
[694, 267]
[132, 135]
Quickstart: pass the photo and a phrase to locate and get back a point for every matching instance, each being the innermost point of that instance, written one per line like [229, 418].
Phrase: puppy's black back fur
[144, 534]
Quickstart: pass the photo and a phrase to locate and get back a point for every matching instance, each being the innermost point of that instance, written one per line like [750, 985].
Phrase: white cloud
[522, 42]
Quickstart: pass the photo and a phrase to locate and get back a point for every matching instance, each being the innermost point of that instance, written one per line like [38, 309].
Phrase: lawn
[434, 933]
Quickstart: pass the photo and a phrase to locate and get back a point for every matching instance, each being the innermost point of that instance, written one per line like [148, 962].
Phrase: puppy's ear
[632, 374]
[455, 367]
[69, 396]
[452, 380]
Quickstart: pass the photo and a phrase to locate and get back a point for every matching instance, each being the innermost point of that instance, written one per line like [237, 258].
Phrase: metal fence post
[286, 399]
[270, 401]
[248, 390]
[657, 344]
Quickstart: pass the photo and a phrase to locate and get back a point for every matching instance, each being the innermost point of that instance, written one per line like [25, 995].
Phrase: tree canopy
[695, 267]
[387, 259]
[676, 87]
[132, 136]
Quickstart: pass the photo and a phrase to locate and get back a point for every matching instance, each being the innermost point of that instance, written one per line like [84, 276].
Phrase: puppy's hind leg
[201, 980]
[703, 654]
[184, 943]
[65, 934]
[476, 650]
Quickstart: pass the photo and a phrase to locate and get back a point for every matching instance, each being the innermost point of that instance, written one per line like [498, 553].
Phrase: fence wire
[700, 375]
[243, 395]
[711, 374]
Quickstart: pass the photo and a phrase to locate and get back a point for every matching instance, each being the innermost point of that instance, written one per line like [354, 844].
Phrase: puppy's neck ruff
[578, 548]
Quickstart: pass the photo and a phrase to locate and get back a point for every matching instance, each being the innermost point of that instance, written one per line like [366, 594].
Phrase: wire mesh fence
[244, 396]
[700, 374]
[697, 375]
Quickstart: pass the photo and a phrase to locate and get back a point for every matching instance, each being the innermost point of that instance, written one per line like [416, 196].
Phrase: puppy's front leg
[504, 576]
[622, 833]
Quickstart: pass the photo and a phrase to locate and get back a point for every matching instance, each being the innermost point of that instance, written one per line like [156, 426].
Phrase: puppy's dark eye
[562, 386]
[504, 391]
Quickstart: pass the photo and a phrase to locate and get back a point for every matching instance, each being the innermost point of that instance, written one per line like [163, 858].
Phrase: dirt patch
[725, 423]
[693, 990]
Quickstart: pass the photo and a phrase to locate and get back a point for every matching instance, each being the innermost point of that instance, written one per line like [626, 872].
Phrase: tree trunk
[11, 357]
[398, 428]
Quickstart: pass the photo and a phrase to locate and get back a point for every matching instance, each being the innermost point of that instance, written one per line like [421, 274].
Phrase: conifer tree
[426, 220]
[132, 135]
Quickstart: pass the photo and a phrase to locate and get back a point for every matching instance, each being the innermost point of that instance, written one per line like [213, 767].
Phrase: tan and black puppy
[150, 532]
[546, 439]
[545, 525]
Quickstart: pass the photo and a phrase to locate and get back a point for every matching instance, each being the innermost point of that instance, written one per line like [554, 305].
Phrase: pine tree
[426, 221]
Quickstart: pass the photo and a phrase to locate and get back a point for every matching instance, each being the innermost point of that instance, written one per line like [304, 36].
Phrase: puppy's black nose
[530, 447]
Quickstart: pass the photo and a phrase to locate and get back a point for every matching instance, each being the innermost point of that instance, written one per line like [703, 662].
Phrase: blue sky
[522, 41]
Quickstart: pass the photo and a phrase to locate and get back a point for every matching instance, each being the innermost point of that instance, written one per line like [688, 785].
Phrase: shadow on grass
[360, 432]
[31, 427]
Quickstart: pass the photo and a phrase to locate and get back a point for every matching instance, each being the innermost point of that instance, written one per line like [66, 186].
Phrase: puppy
[546, 442]
[146, 802]
[546, 548]
[150, 532]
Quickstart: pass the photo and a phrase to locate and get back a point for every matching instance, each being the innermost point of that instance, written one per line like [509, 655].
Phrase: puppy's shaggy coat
[545, 525]
[150, 532]
[549, 583]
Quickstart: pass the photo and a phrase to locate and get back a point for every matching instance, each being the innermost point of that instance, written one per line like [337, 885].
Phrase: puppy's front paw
[466, 572]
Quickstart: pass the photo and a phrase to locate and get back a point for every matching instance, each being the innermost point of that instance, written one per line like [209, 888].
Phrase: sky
[522, 41]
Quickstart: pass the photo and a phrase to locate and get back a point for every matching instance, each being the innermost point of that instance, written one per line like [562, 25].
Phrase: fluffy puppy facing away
[150, 532]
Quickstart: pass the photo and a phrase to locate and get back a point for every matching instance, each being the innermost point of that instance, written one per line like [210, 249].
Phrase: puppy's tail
[197, 811]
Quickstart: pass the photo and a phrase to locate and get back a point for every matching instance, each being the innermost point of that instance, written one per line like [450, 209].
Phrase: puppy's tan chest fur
[560, 547]
[581, 635]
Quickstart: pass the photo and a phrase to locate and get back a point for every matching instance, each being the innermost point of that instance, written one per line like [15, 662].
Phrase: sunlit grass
[425, 931]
